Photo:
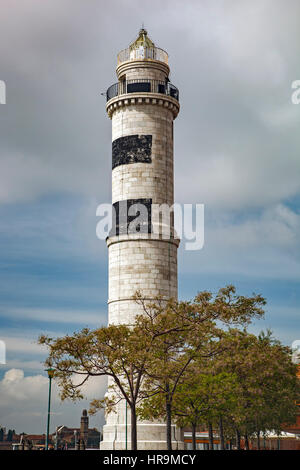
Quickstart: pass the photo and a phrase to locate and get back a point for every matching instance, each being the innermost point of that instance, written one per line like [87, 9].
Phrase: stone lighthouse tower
[142, 106]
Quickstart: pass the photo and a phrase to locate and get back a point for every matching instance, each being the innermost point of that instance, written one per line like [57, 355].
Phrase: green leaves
[191, 361]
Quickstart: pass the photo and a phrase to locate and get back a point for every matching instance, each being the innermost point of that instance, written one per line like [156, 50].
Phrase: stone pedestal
[150, 436]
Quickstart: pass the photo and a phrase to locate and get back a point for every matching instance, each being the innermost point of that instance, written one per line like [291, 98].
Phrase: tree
[150, 356]
[200, 336]
[204, 398]
[267, 380]
[278, 385]
[120, 352]
[117, 351]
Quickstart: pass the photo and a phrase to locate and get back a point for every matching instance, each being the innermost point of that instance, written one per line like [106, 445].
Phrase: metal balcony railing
[142, 53]
[142, 85]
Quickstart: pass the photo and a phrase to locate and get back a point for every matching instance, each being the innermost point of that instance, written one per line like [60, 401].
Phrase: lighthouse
[142, 106]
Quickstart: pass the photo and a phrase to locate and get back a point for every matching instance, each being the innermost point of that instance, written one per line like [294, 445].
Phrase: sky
[236, 151]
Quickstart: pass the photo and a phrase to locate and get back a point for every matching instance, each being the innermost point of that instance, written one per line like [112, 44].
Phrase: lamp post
[50, 376]
[75, 440]
[126, 425]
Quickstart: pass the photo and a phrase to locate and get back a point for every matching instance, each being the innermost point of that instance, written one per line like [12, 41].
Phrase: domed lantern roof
[142, 47]
[142, 40]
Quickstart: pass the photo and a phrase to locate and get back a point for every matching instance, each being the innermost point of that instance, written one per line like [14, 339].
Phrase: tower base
[149, 437]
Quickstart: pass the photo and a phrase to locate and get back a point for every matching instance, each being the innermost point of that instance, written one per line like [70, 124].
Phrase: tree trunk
[278, 444]
[169, 418]
[238, 439]
[246, 442]
[169, 425]
[221, 432]
[194, 435]
[211, 436]
[133, 428]
[258, 440]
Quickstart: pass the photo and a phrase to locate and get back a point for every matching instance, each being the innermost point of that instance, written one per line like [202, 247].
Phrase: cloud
[74, 317]
[23, 405]
[237, 126]
[281, 319]
[51, 122]
[262, 244]
[277, 226]
[22, 348]
[24, 345]
[55, 135]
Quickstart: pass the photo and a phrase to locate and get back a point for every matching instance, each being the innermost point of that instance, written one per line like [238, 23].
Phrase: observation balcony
[142, 85]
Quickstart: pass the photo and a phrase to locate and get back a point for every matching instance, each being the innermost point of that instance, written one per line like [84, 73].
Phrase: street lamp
[50, 376]
[75, 439]
[126, 424]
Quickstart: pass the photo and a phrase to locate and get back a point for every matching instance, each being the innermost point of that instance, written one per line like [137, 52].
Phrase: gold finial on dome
[142, 40]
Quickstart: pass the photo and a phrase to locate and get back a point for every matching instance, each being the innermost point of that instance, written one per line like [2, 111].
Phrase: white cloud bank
[23, 404]
[237, 136]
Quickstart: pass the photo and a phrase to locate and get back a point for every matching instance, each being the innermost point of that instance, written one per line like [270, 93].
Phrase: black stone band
[131, 149]
[131, 216]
